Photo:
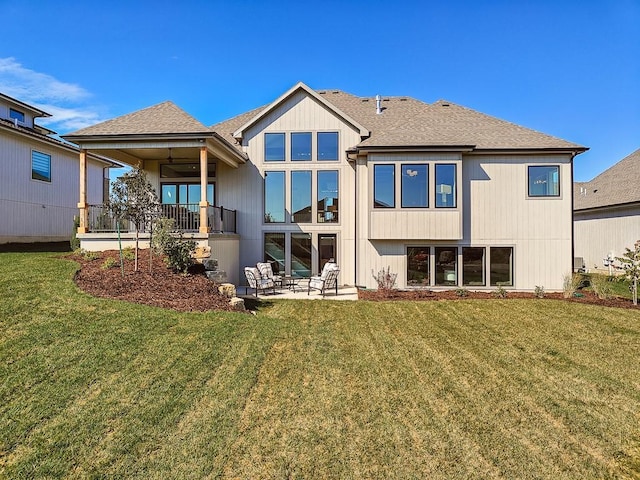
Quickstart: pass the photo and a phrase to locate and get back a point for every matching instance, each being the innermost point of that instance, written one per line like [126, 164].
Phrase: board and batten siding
[37, 211]
[243, 188]
[603, 232]
[496, 211]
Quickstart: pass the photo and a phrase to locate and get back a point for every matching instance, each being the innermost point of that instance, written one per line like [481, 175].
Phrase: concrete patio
[300, 293]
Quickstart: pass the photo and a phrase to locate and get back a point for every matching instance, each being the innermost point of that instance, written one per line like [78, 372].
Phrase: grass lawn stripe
[311, 389]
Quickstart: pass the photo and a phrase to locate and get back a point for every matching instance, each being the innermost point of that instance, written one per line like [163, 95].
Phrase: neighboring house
[443, 195]
[606, 214]
[39, 186]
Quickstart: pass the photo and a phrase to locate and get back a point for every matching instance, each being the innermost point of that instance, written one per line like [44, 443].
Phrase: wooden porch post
[82, 203]
[204, 228]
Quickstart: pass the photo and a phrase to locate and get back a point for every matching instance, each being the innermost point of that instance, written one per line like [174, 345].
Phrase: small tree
[133, 198]
[631, 265]
[385, 279]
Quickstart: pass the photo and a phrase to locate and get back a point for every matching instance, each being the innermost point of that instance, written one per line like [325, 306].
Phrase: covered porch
[180, 157]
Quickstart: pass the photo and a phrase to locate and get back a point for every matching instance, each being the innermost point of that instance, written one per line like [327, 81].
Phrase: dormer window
[16, 115]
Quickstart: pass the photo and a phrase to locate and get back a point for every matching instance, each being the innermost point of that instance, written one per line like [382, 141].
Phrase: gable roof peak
[163, 118]
[364, 132]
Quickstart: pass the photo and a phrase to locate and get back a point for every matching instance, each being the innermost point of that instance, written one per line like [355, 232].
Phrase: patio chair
[266, 271]
[256, 281]
[327, 280]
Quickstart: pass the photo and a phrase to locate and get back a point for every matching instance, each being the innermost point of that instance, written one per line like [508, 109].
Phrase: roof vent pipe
[378, 104]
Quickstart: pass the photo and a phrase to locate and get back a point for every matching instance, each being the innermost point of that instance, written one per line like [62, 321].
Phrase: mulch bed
[585, 296]
[159, 287]
[194, 292]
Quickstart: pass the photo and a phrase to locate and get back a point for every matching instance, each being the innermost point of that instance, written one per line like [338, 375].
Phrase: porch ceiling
[136, 151]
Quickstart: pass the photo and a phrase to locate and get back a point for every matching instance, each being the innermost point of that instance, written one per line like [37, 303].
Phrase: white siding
[607, 231]
[243, 189]
[36, 211]
[496, 212]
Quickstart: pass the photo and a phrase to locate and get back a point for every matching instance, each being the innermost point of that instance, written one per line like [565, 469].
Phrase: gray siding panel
[33, 210]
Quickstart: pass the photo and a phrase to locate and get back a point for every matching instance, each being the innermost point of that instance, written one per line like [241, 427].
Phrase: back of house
[442, 195]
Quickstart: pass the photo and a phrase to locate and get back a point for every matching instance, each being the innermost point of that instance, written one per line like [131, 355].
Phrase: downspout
[573, 246]
[355, 226]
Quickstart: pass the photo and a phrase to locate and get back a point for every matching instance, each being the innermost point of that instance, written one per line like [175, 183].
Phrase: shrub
[539, 291]
[109, 263]
[462, 292]
[90, 256]
[602, 287]
[385, 279]
[500, 292]
[570, 283]
[179, 253]
[162, 235]
[128, 253]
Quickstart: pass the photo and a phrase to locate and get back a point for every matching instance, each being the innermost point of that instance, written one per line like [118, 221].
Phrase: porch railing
[185, 216]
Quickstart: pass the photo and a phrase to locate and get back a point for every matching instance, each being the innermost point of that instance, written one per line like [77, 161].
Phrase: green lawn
[311, 389]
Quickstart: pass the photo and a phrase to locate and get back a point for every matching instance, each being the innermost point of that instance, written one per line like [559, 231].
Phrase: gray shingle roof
[164, 118]
[617, 185]
[227, 127]
[406, 121]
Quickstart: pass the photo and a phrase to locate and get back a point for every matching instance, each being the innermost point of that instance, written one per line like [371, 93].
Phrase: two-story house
[443, 195]
[39, 182]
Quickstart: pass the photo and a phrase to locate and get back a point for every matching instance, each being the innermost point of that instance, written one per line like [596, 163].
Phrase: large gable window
[328, 196]
[301, 196]
[40, 166]
[274, 147]
[327, 146]
[544, 181]
[301, 146]
[274, 197]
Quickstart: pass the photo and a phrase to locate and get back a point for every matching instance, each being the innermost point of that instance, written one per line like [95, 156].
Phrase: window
[16, 115]
[384, 186]
[185, 170]
[274, 147]
[40, 166]
[327, 146]
[327, 196]
[274, 189]
[445, 186]
[301, 196]
[501, 269]
[446, 265]
[301, 255]
[415, 186]
[473, 266]
[544, 181]
[418, 266]
[186, 194]
[300, 147]
[326, 249]
[274, 251]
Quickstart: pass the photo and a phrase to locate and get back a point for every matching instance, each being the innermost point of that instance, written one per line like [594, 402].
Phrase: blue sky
[567, 68]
